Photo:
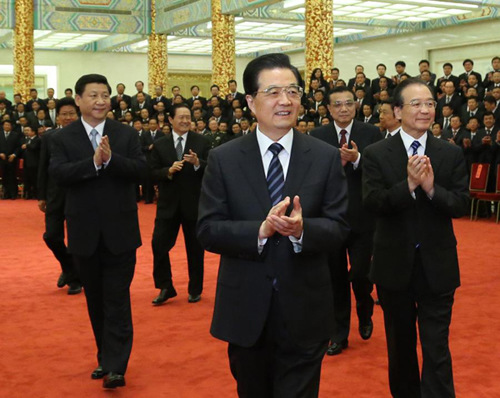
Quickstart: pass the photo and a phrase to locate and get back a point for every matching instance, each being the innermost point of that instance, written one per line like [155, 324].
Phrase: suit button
[277, 242]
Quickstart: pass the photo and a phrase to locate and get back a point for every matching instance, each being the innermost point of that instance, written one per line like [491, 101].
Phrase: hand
[414, 170]
[2, 156]
[498, 136]
[349, 155]
[150, 147]
[23, 146]
[292, 225]
[466, 143]
[452, 141]
[427, 177]
[11, 158]
[486, 140]
[176, 167]
[42, 205]
[267, 228]
[192, 158]
[105, 149]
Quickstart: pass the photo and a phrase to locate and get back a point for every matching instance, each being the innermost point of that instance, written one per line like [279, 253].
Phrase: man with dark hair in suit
[195, 95]
[351, 137]
[381, 70]
[352, 81]
[50, 95]
[468, 65]
[389, 124]
[495, 65]
[423, 65]
[51, 200]
[234, 94]
[177, 163]
[400, 71]
[447, 75]
[272, 204]
[414, 184]
[470, 109]
[99, 160]
[451, 98]
[34, 98]
[490, 105]
[8, 103]
[10, 149]
[120, 96]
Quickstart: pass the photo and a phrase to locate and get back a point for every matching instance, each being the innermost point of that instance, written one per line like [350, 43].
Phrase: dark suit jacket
[455, 103]
[48, 189]
[404, 222]
[362, 134]
[451, 78]
[115, 104]
[100, 205]
[182, 192]
[234, 201]
[11, 145]
[31, 154]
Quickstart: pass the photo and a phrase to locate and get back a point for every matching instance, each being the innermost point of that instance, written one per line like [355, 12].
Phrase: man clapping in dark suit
[415, 183]
[352, 137]
[99, 160]
[177, 163]
[273, 203]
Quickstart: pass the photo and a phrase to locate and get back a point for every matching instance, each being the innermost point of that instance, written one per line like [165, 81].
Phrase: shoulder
[365, 127]
[322, 130]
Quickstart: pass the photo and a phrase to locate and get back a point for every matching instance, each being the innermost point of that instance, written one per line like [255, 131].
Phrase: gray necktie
[178, 148]
[93, 138]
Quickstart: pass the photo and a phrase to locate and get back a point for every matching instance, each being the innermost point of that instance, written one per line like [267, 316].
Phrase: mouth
[283, 113]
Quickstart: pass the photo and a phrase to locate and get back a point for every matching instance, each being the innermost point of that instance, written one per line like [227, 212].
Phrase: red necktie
[343, 140]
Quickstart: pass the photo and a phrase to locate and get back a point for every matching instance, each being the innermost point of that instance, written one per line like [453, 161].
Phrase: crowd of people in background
[467, 115]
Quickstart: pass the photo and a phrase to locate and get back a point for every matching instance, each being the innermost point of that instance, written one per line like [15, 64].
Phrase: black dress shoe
[336, 348]
[113, 380]
[194, 298]
[98, 373]
[74, 288]
[61, 282]
[164, 295]
[365, 331]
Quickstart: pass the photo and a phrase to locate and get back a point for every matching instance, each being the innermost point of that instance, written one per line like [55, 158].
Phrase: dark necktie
[275, 177]
[153, 134]
[388, 134]
[178, 148]
[446, 122]
[415, 145]
[343, 139]
[447, 99]
[488, 132]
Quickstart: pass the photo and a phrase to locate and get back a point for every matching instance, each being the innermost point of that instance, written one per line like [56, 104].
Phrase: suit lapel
[251, 165]
[298, 167]
[432, 151]
[83, 139]
[397, 157]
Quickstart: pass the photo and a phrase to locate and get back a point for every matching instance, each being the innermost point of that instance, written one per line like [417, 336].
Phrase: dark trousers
[359, 248]
[54, 239]
[276, 366]
[106, 279]
[9, 179]
[30, 182]
[164, 237]
[432, 312]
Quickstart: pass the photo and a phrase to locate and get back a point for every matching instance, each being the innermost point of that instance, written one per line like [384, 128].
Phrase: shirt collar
[408, 139]
[175, 136]
[265, 142]
[348, 128]
[89, 128]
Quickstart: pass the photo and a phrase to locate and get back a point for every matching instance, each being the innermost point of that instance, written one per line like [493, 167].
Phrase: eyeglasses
[340, 104]
[417, 104]
[292, 91]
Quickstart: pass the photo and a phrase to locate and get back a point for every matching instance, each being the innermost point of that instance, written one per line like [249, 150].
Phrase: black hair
[448, 64]
[193, 86]
[88, 79]
[66, 101]
[265, 62]
[385, 67]
[468, 60]
[400, 63]
[340, 89]
[424, 61]
[178, 106]
[398, 92]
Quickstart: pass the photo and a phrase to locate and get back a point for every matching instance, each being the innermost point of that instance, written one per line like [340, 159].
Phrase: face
[196, 104]
[276, 116]
[195, 91]
[140, 98]
[367, 111]
[425, 76]
[128, 117]
[359, 69]
[33, 94]
[67, 114]
[236, 128]
[423, 66]
[302, 126]
[123, 105]
[473, 125]
[387, 119]
[238, 113]
[158, 91]
[138, 125]
[496, 93]
[382, 84]
[94, 103]
[436, 130]
[223, 127]
[35, 106]
[217, 112]
[51, 104]
[447, 70]
[214, 91]
[447, 111]
[232, 87]
[310, 126]
[139, 86]
[344, 113]
[380, 70]
[489, 121]
[416, 121]
[166, 129]
[213, 126]
[120, 88]
[472, 104]
[325, 121]
[68, 93]
[384, 95]
[449, 88]
[317, 73]
[495, 64]
[496, 77]
[245, 125]
[318, 96]
[322, 110]
[200, 125]
[400, 69]
[468, 66]
[335, 74]
[144, 113]
[360, 79]
[50, 92]
[153, 125]
[110, 115]
[7, 127]
[314, 84]
[472, 80]
[181, 122]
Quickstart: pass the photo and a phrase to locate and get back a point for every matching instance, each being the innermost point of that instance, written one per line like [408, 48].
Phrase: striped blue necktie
[93, 139]
[415, 145]
[275, 177]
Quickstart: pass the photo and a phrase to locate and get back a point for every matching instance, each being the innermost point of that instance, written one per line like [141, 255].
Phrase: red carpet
[47, 348]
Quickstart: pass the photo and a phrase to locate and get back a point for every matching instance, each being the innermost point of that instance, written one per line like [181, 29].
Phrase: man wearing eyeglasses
[415, 183]
[352, 137]
[272, 204]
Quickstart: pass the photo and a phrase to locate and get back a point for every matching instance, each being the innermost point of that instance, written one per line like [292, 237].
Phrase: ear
[77, 100]
[397, 112]
[250, 102]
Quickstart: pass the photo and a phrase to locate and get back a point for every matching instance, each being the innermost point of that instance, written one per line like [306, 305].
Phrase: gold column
[157, 56]
[223, 47]
[24, 57]
[319, 37]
